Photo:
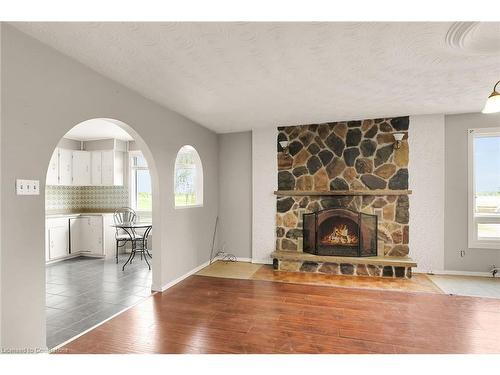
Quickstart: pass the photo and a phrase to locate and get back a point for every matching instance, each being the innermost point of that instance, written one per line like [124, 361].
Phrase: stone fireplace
[342, 200]
[340, 232]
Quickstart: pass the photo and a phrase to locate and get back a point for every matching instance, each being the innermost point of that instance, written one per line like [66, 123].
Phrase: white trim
[70, 256]
[472, 219]
[188, 206]
[75, 255]
[458, 273]
[193, 271]
[262, 261]
[180, 278]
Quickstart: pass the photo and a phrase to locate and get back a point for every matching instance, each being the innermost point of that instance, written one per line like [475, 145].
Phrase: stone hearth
[378, 266]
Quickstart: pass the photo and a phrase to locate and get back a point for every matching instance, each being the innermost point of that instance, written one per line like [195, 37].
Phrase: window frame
[133, 181]
[199, 183]
[473, 218]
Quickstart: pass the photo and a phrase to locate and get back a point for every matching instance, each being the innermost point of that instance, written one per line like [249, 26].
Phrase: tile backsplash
[85, 198]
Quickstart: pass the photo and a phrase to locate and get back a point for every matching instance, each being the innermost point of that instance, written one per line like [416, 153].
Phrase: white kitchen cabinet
[87, 235]
[65, 166]
[53, 171]
[109, 235]
[112, 167]
[81, 168]
[85, 168]
[95, 230]
[96, 167]
[57, 238]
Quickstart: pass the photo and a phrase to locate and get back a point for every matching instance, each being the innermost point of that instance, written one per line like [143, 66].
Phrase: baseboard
[262, 261]
[93, 255]
[180, 278]
[71, 256]
[247, 260]
[459, 273]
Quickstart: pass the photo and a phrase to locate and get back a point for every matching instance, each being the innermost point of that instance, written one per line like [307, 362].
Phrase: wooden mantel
[303, 193]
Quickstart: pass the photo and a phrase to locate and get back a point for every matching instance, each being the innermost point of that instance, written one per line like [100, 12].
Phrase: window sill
[486, 244]
[188, 206]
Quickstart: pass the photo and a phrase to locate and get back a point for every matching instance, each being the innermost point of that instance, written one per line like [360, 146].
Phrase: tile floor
[468, 285]
[82, 292]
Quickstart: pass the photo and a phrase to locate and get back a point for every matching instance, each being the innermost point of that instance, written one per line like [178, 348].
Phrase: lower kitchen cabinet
[87, 235]
[109, 235]
[57, 238]
[91, 235]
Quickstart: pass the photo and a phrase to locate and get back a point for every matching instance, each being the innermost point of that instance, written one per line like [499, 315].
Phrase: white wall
[426, 170]
[235, 193]
[49, 93]
[475, 260]
[265, 182]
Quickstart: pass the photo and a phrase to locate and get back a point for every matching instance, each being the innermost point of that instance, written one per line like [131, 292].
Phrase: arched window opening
[188, 178]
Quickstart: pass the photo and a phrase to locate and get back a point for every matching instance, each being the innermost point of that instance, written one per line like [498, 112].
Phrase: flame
[340, 236]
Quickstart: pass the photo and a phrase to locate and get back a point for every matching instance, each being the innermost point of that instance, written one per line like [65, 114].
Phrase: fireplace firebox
[340, 232]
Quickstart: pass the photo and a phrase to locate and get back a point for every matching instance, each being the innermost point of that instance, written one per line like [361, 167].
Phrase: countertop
[54, 215]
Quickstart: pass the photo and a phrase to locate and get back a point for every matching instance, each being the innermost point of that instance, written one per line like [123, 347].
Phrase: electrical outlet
[27, 187]
[462, 253]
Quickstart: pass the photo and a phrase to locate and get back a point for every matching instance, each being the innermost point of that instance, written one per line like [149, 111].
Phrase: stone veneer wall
[85, 198]
[352, 155]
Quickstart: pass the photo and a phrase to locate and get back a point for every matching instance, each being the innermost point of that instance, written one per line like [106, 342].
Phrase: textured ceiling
[239, 76]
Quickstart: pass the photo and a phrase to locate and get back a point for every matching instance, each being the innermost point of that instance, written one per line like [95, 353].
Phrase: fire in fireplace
[340, 232]
[340, 235]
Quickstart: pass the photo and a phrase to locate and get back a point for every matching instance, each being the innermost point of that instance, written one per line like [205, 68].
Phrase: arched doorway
[99, 166]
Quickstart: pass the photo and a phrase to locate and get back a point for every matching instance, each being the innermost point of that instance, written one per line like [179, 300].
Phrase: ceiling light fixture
[493, 103]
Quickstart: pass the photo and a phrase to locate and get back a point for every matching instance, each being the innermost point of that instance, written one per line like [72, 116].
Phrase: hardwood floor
[215, 315]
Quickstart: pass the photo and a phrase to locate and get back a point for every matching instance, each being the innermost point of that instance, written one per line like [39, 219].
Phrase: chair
[120, 216]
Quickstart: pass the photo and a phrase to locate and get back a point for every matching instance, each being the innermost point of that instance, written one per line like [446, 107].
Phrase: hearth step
[376, 266]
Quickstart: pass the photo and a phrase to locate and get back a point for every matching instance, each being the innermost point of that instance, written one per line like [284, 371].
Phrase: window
[484, 188]
[188, 178]
[141, 196]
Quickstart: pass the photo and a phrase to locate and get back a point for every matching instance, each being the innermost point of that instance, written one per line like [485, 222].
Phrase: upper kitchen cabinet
[65, 166]
[112, 167]
[53, 171]
[96, 165]
[101, 163]
[81, 168]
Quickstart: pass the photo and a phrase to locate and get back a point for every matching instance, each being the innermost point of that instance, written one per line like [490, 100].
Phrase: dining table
[139, 242]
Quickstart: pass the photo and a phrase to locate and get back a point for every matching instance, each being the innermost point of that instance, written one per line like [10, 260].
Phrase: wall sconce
[493, 102]
[284, 146]
[398, 137]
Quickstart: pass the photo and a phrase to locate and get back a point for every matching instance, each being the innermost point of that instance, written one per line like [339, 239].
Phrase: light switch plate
[27, 187]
